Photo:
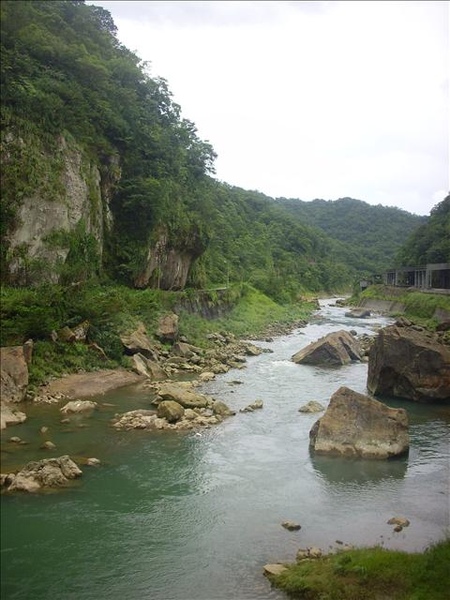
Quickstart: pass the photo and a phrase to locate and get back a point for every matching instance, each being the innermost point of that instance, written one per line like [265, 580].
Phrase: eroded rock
[354, 425]
[47, 473]
[408, 363]
[336, 348]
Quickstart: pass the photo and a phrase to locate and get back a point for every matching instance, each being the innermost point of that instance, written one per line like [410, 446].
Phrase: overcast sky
[308, 99]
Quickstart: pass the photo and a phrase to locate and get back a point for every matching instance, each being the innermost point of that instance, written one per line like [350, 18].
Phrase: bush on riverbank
[370, 573]
[34, 313]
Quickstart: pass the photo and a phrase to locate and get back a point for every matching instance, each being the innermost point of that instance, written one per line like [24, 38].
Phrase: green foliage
[430, 243]
[371, 573]
[365, 237]
[64, 73]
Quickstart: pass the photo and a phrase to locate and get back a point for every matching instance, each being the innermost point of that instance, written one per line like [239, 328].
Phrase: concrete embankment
[391, 308]
[387, 307]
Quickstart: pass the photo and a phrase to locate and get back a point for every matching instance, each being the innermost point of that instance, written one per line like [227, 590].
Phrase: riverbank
[369, 573]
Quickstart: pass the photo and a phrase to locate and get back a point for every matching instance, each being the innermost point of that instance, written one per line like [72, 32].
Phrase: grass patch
[372, 574]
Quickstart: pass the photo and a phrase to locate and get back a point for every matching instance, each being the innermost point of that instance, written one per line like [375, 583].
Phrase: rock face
[14, 373]
[47, 473]
[337, 348]
[354, 426]
[78, 203]
[408, 363]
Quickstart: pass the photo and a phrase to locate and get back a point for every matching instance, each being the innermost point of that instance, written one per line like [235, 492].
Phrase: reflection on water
[179, 516]
[359, 471]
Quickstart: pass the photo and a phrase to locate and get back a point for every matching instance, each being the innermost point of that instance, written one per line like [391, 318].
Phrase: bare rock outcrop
[408, 363]
[336, 348]
[356, 426]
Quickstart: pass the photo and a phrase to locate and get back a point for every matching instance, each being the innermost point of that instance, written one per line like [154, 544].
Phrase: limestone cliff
[65, 194]
[60, 217]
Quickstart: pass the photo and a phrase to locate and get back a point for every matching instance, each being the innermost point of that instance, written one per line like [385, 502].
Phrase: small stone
[43, 429]
[400, 521]
[274, 569]
[93, 462]
[15, 439]
[48, 445]
[290, 526]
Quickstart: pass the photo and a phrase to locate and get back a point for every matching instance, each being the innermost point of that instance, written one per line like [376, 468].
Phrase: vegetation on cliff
[66, 79]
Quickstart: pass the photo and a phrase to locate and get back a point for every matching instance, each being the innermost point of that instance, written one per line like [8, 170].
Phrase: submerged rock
[311, 407]
[79, 406]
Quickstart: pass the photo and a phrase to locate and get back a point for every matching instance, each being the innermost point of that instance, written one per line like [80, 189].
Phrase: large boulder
[336, 348]
[168, 328]
[14, 362]
[184, 396]
[170, 410]
[47, 473]
[408, 363]
[354, 425]
[138, 342]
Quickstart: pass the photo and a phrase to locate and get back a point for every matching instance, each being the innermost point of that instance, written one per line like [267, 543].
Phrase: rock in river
[336, 348]
[408, 363]
[354, 426]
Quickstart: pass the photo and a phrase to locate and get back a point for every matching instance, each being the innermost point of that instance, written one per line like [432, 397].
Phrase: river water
[186, 516]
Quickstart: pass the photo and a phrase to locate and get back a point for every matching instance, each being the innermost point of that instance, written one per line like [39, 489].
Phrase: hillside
[368, 236]
[103, 180]
[429, 243]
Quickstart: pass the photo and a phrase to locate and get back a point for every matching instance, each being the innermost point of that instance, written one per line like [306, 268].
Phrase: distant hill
[429, 243]
[368, 237]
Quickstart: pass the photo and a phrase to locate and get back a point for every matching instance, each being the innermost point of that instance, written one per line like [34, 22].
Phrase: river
[195, 516]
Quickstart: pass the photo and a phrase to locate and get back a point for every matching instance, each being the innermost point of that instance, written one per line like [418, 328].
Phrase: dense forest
[429, 243]
[375, 233]
[81, 115]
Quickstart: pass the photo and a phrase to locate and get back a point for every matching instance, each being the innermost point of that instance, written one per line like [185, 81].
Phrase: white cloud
[308, 99]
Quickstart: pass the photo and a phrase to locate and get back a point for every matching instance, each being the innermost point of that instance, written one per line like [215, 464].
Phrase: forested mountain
[370, 235]
[430, 243]
[103, 178]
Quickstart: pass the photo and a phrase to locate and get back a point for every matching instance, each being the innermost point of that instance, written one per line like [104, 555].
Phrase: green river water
[195, 516]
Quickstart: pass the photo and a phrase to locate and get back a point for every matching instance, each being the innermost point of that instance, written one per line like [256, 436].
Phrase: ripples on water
[195, 517]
